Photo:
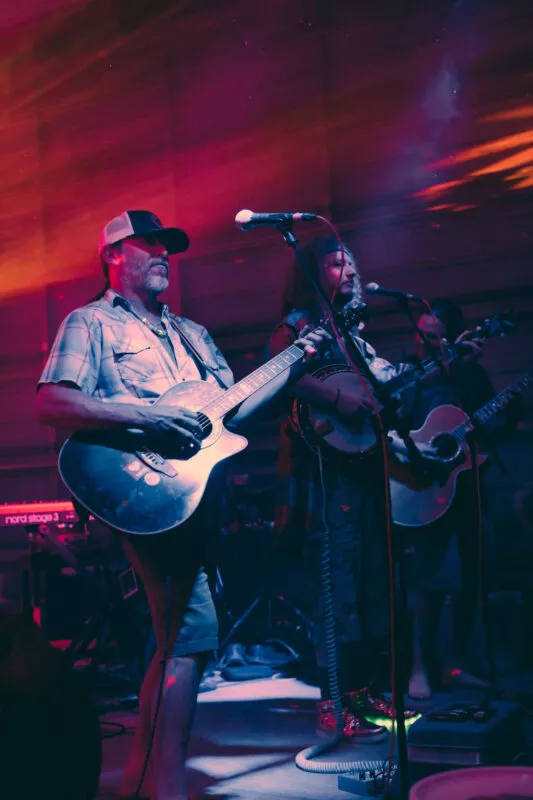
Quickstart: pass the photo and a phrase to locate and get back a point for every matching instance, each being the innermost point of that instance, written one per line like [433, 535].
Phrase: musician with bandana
[353, 506]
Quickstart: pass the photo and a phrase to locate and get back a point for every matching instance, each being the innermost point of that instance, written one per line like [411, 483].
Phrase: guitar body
[318, 428]
[414, 508]
[138, 491]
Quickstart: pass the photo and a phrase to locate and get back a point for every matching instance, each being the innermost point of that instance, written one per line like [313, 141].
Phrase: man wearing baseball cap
[110, 361]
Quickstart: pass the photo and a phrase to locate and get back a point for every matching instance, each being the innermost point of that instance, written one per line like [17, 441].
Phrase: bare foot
[419, 688]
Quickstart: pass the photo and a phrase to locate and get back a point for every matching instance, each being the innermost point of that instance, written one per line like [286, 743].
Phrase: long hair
[299, 292]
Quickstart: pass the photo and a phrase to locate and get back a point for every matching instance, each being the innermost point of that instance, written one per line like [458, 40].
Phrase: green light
[387, 722]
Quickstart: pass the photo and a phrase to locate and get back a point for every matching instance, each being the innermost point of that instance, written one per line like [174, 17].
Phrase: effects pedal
[465, 735]
[461, 712]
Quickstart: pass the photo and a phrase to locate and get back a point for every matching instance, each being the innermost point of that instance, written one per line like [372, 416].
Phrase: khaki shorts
[174, 561]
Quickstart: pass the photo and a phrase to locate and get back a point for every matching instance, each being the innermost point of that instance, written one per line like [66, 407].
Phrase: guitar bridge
[156, 462]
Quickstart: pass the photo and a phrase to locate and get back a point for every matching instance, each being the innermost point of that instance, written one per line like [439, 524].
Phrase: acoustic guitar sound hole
[446, 446]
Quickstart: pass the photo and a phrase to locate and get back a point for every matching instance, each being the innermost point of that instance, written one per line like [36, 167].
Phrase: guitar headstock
[499, 324]
[345, 319]
[352, 316]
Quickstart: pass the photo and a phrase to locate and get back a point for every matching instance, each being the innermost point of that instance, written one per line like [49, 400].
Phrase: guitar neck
[262, 376]
[497, 325]
[412, 375]
[499, 403]
[258, 379]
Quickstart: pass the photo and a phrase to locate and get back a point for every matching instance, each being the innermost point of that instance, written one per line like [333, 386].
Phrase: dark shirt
[469, 387]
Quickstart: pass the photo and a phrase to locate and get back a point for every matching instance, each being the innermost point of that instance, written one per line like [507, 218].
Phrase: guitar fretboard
[412, 375]
[246, 387]
[497, 325]
[493, 407]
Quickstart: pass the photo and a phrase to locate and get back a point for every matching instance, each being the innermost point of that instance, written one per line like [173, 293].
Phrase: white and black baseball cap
[142, 223]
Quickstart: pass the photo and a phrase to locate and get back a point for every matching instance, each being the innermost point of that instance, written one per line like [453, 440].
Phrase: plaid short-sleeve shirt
[105, 350]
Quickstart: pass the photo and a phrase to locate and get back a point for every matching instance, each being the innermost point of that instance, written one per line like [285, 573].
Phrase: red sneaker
[356, 728]
[365, 704]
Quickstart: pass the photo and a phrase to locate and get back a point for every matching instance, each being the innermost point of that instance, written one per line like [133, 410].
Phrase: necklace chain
[160, 333]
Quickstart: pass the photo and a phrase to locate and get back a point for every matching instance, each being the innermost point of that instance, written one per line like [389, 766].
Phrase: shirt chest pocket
[135, 361]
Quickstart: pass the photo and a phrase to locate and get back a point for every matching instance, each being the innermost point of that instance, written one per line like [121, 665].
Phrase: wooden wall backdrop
[409, 124]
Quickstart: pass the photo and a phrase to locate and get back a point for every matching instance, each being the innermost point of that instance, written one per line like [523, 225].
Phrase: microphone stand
[483, 595]
[393, 421]
[405, 308]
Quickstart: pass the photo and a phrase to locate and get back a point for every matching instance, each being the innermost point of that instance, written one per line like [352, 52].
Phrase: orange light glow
[495, 146]
[525, 157]
[524, 184]
[438, 188]
[518, 174]
[515, 113]
[515, 168]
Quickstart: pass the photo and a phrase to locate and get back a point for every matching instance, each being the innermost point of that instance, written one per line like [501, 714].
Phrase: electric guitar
[444, 431]
[137, 490]
[319, 428]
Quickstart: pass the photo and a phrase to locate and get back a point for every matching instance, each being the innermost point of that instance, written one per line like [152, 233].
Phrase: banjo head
[318, 428]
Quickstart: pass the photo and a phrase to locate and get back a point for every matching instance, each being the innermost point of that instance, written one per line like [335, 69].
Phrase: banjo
[325, 430]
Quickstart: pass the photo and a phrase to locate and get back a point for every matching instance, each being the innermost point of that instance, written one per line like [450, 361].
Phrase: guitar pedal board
[465, 735]
[462, 735]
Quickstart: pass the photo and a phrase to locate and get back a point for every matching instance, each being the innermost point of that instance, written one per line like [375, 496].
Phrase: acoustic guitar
[134, 489]
[444, 432]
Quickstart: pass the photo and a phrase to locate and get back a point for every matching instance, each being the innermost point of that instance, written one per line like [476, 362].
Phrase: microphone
[246, 219]
[375, 288]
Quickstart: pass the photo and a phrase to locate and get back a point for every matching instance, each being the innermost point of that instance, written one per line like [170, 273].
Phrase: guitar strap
[194, 351]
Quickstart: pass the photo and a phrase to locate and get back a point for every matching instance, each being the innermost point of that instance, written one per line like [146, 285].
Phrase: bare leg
[466, 604]
[165, 778]
[137, 755]
[465, 608]
[427, 616]
[167, 600]
[182, 679]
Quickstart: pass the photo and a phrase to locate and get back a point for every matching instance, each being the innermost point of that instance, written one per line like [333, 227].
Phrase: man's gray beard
[356, 298]
[157, 284]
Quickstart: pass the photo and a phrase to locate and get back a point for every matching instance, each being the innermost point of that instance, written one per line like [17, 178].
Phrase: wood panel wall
[197, 109]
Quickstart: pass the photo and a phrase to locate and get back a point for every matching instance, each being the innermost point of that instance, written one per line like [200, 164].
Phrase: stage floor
[244, 741]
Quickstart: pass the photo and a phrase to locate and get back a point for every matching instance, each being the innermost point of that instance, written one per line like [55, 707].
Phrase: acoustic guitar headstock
[499, 324]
